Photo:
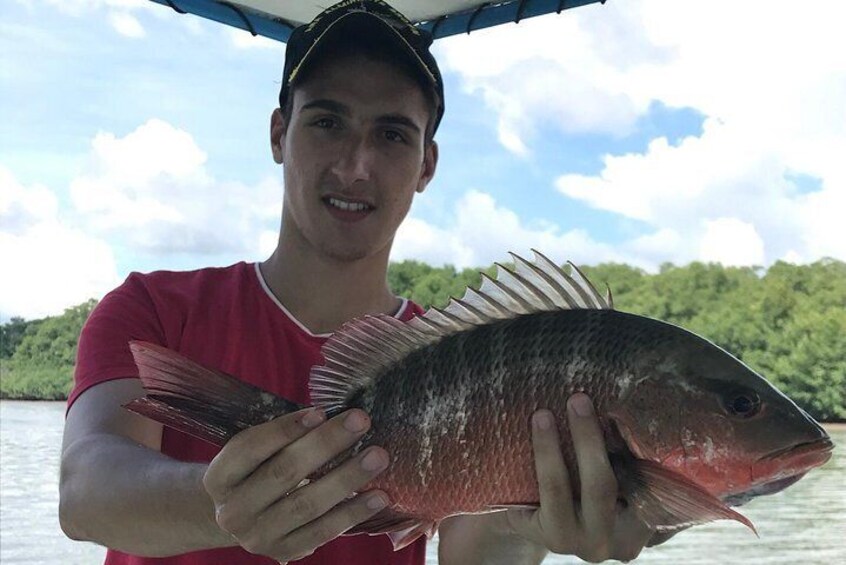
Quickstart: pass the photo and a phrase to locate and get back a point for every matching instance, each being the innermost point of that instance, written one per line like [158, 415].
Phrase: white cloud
[598, 68]
[23, 207]
[660, 246]
[769, 77]
[127, 25]
[147, 191]
[482, 231]
[728, 172]
[568, 71]
[731, 242]
[267, 241]
[48, 264]
[150, 189]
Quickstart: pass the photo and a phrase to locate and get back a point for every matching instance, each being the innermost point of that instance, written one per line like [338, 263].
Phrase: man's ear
[278, 128]
[430, 164]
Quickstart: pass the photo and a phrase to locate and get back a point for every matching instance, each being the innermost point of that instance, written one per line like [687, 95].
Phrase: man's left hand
[596, 527]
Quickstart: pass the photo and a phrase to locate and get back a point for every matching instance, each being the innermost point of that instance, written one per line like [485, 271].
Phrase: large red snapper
[691, 430]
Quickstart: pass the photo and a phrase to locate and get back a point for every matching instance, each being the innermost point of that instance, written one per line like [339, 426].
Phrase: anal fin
[401, 528]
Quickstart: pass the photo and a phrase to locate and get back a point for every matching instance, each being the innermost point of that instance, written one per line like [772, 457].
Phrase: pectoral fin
[669, 501]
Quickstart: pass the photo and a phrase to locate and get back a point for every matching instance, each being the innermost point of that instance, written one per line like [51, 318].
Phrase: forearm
[131, 498]
[484, 539]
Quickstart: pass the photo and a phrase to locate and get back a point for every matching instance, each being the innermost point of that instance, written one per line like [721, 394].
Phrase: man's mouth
[347, 205]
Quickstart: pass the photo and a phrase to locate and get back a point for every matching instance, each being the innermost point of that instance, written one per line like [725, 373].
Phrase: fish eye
[743, 404]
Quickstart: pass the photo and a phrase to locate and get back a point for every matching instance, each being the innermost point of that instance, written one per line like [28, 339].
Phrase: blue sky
[641, 131]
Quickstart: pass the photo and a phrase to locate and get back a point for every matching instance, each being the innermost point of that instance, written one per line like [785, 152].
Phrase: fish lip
[791, 461]
[821, 446]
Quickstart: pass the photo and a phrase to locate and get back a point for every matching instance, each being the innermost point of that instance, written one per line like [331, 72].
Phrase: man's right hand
[253, 483]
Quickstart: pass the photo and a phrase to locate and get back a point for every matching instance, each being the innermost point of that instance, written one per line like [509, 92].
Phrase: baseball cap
[364, 17]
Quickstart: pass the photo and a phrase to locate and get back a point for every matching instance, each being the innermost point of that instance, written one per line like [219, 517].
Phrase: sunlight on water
[805, 524]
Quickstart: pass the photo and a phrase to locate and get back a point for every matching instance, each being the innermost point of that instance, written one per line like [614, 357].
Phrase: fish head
[703, 413]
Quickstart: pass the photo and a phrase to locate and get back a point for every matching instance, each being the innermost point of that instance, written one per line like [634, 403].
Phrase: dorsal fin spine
[501, 308]
[537, 293]
[560, 279]
[426, 325]
[555, 287]
[506, 273]
[595, 298]
[479, 316]
[453, 319]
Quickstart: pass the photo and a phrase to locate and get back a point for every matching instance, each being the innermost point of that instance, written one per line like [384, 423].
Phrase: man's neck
[324, 293]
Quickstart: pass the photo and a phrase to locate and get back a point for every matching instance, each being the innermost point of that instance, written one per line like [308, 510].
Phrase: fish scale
[560, 340]
[690, 429]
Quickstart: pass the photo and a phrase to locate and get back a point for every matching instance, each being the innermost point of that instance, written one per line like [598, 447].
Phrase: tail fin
[204, 403]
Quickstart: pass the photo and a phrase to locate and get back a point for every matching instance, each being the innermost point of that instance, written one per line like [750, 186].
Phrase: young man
[361, 99]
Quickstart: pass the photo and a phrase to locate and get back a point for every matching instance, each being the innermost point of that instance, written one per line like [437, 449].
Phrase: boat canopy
[276, 19]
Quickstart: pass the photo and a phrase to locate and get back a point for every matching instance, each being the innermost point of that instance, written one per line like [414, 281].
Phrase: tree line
[787, 322]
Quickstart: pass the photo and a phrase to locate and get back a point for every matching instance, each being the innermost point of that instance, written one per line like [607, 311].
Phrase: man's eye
[393, 135]
[325, 123]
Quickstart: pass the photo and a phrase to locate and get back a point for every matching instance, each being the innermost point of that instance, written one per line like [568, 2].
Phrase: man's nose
[354, 161]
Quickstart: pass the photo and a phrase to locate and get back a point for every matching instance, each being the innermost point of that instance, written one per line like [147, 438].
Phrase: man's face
[354, 156]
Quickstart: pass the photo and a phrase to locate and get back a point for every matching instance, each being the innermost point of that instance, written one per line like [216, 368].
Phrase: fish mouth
[810, 451]
[779, 469]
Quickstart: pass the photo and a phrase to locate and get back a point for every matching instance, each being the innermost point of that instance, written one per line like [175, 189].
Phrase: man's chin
[350, 252]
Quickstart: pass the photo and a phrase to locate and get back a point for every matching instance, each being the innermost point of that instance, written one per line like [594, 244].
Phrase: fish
[691, 431]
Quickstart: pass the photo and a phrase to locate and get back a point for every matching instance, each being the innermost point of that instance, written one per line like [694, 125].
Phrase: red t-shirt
[226, 319]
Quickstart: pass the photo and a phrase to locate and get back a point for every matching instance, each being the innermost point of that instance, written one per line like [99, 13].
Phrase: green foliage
[788, 322]
[11, 335]
[431, 286]
[35, 383]
[41, 365]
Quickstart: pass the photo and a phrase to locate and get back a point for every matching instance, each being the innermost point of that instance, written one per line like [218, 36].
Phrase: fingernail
[374, 461]
[376, 502]
[313, 418]
[543, 420]
[581, 404]
[355, 422]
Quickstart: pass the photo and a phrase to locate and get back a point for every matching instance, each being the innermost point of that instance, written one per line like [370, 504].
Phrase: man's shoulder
[236, 269]
[215, 276]
[165, 288]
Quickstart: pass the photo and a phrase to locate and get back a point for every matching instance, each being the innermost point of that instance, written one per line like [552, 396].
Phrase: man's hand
[596, 528]
[253, 483]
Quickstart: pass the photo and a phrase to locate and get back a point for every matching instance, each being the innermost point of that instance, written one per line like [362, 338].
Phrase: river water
[804, 524]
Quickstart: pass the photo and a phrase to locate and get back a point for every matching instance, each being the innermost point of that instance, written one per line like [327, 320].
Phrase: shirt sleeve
[125, 314]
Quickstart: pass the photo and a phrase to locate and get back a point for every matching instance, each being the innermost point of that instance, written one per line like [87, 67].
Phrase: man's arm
[118, 490]
[594, 529]
[485, 539]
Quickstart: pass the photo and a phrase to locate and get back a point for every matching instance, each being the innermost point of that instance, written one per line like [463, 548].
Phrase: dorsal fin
[363, 348]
